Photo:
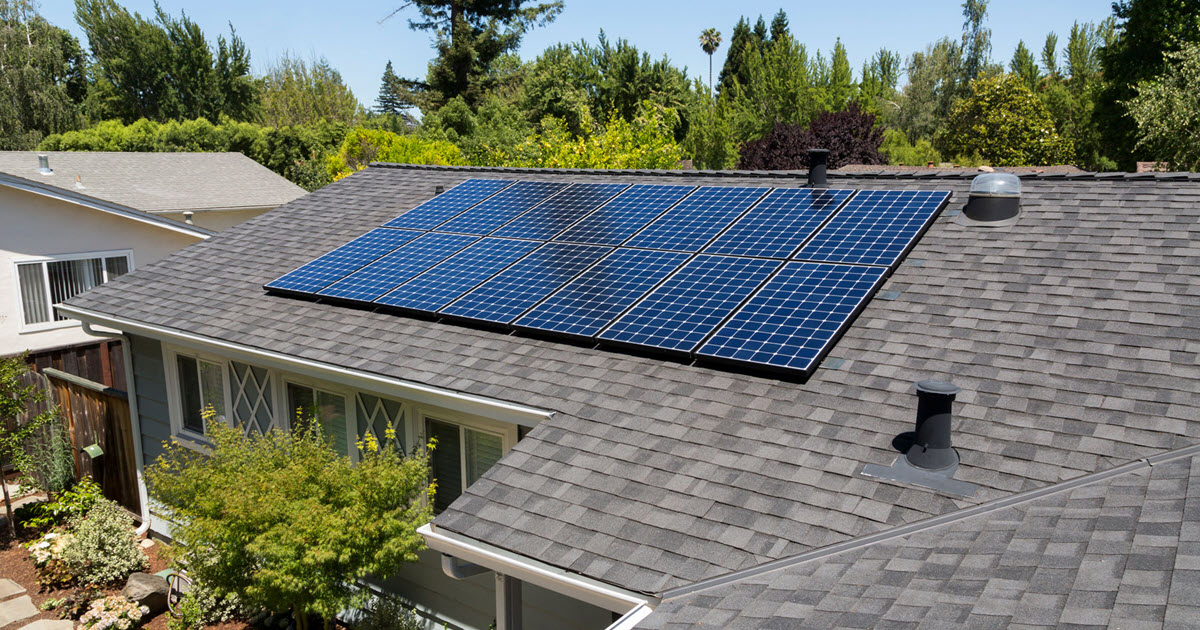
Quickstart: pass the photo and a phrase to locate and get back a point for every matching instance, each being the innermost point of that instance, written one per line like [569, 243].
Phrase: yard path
[15, 606]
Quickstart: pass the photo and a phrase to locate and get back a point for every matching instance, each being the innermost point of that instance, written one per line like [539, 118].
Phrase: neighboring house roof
[1074, 335]
[158, 182]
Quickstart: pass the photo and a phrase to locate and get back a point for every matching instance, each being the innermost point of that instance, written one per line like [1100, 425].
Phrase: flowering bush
[104, 550]
[114, 611]
[47, 554]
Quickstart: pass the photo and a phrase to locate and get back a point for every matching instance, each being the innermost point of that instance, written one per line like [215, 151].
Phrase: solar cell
[388, 272]
[511, 292]
[441, 284]
[448, 204]
[327, 269]
[560, 211]
[588, 303]
[501, 208]
[681, 312]
[792, 320]
[622, 217]
[780, 223]
[875, 228]
[690, 225]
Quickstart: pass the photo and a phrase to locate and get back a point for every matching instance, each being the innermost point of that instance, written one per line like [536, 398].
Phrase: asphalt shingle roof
[155, 182]
[1074, 335]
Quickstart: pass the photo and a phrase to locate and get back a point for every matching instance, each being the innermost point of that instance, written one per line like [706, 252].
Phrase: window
[461, 457]
[376, 415]
[327, 409]
[201, 385]
[45, 283]
[253, 406]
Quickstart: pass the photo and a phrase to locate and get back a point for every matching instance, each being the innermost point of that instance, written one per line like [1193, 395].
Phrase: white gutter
[88, 201]
[134, 420]
[631, 619]
[416, 392]
[573, 585]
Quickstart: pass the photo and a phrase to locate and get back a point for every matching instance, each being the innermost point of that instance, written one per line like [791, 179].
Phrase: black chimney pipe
[437, 190]
[932, 450]
[817, 161]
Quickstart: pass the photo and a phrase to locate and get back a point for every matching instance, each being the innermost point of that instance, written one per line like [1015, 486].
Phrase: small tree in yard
[16, 398]
[851, 137]
[1167, 111]
[1006, 124]
[286, 522]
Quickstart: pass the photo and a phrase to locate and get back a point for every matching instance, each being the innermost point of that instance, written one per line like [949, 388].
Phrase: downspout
[135, 420]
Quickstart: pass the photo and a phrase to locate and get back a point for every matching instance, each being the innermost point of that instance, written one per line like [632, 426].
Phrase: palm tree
[710, 41]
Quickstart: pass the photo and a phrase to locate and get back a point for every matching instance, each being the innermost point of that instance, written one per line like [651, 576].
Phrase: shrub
[48, 555]
[388, 613]
[646, 142]
[65, 505]
[77, 600]
[900, 151]
[851, 137]
[363, 146]
[104, 550]
[114, 611]
[189, 616]
[1006, 124]
[47, 462]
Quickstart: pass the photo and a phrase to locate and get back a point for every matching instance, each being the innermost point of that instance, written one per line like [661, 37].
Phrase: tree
[1050, 55]
[395, 95]
[934, 82]
[285, 521]
[1025, 66]
[877, 89]
[363, 146]
[779, 27]
[299, 92]
[711, 140]
[976, 39]
[839, 85]
[851, 137]
[42, 77]
[735, 60]
[710, 41]
[1166, 110]
[1146, 29]
[1006, 124]
[647, 142]
[781, 86]
[17, 396]
[470, 36]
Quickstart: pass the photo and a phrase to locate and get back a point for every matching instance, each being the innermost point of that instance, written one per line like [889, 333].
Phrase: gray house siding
[150, 384]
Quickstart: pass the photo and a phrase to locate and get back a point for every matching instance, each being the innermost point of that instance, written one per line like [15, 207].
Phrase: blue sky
[349, 35]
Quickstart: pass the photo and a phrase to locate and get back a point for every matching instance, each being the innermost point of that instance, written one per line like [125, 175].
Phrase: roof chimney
[817, 160]
[44, 165]
[995, 199]
[931, 449]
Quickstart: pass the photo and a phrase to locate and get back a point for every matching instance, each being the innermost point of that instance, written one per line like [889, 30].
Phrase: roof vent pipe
[817, 161]
[931, 449]
[44, 165]
[995, 198]
[437, 190]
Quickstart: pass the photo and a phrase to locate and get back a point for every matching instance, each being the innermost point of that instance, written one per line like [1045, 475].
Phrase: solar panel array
[752, 276]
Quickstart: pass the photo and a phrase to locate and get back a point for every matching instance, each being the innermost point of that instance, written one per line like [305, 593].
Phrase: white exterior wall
[216, 220]
[33, 226]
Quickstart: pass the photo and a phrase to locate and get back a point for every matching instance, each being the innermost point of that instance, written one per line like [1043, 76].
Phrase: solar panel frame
[792, 321]
[624, 215]
[560, 212]
[677, 316]
[343, 260]
[699, 218]
[402, 264]
[506, 205]
[449, 204]
[586, 305]
[867, 230]
[506, 296]
[780, 223]
[445, 282]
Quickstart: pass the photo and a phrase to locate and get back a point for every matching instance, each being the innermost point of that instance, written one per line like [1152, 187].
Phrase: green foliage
[395, 94]
[976, 40]
[63, 506]
[104, 550]
[733, 71]
[1050, 55]
[299, 92]
[388, 613]
[77, 600]
[710, 41]
[49, 559]
[900, 151]
[877, 87]
[1025, 66]
[1167, 111]
[645, 142]
[47, 461]
[43, 78]
[113, 612]
[1007, 125]
[188, 614]
[710, 139]
[363, 146]
[934, 83]
[18, 393]
[496, 128]
[286, 522]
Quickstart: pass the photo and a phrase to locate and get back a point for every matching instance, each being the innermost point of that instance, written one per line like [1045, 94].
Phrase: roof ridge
[798, 174]
[934, 522]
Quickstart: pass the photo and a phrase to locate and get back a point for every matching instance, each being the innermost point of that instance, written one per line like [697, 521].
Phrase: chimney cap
[932, 386]
[826, 151]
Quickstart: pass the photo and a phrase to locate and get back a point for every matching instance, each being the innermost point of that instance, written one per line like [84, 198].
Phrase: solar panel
[501, 208]
[792, 320]
[690, 225]
[440, 285]
[588, 303]
[622, 217]
[323, 271]
[875, 228]
[680, 313]
[780, 223]
[511, 292]
[448, 204]
[388, 272]
[560, 211]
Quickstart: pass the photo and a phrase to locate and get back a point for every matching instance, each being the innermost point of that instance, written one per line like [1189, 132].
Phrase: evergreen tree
[1050, 55]
[1025, 66]
[840, 89]
[734, 68]
[42, 77]
[877, 89]
[779, 27]
[761, 34]
[389, 99]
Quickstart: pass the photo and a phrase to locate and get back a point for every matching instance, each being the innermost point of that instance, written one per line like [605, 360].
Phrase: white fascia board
[87, 201]
[417, 392]
[552, 578]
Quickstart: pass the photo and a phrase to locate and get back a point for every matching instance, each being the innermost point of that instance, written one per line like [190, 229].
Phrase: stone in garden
[50, 624]
[148, 590]
[147, 543]
[17, 609]
[8, 588]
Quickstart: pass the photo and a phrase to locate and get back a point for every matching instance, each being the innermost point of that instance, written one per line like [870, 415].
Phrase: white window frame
[348, 396]
[53, 323]
[505, 431]
[180, 433]
[405, 432]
